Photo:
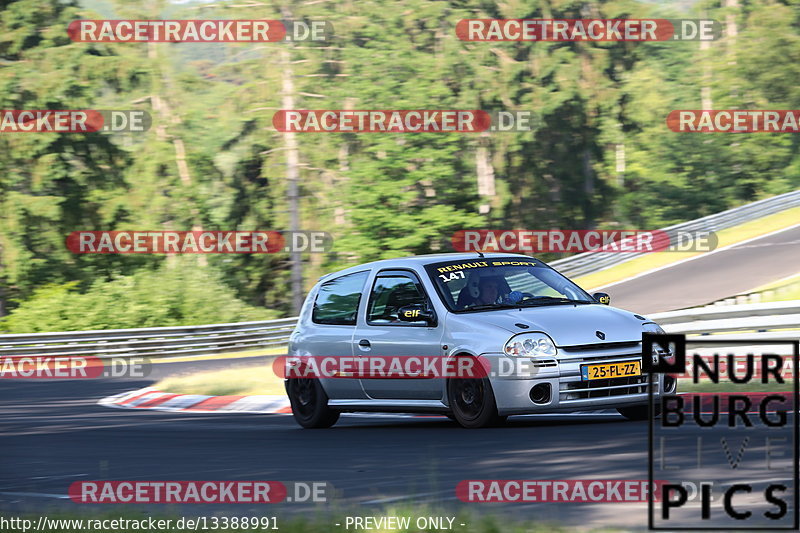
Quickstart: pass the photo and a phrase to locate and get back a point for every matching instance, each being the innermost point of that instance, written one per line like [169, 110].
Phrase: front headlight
[652, 327]
[530, 345]
[657, 351]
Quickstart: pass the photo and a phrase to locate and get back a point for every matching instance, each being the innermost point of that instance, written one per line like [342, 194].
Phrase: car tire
[638, 412]
[310, 403]
[473, 404]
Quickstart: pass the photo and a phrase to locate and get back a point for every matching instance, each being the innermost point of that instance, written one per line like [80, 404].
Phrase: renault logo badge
[600, 335]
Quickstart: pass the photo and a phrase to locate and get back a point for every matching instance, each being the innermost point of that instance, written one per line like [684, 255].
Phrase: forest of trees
[599, 153]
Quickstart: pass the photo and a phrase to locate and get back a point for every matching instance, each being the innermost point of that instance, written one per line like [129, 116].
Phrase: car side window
[337, 300]
[389, 294]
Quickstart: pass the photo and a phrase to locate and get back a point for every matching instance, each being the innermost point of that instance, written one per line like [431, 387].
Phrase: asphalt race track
[53, 433]
[712, 276]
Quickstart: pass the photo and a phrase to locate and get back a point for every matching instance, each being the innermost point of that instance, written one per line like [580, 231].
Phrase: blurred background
[599, 154]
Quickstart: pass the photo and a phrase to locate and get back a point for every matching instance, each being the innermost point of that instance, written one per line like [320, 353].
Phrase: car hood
[568, 324]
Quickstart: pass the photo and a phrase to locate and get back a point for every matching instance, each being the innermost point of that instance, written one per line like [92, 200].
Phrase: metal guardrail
[152, 342]
[589, 262]
[760, 320]
[713, 312]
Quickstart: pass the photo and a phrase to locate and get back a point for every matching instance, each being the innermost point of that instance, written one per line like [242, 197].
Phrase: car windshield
[502, 283]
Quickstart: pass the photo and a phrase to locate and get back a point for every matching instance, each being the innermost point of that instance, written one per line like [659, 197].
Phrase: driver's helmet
[475, 280]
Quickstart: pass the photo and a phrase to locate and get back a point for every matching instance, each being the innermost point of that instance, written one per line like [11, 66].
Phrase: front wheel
[639, 412]
[473, 404]
[310, 403]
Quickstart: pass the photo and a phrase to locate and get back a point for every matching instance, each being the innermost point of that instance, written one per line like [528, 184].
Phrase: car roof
[420, 260]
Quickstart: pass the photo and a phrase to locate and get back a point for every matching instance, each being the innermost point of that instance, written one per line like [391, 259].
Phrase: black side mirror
[602, 298]
[415, 313]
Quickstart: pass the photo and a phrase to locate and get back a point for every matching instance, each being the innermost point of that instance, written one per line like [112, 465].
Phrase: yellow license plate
[611, 370]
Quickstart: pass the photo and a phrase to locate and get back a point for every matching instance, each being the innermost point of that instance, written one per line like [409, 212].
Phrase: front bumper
[567, 392]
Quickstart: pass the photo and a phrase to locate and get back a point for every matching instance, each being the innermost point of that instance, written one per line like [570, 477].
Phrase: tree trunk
[292, 162]
[731, 29]
[705, 89]
[485, 174]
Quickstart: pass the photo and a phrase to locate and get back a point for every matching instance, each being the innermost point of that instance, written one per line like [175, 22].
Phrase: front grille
[590, 353]
[541, 362]
[600, 346]
[602, 388]
[602, 358]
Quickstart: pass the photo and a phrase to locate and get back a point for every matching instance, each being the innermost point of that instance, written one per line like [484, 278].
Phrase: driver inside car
[489, 293]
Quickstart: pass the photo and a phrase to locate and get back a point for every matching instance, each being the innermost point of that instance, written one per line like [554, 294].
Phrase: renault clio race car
[544, 344]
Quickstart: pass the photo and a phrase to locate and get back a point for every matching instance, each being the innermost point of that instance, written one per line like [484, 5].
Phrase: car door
[380, 332]
[334, 324]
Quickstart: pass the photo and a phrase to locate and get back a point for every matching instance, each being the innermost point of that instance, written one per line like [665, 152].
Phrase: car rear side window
[337, 300]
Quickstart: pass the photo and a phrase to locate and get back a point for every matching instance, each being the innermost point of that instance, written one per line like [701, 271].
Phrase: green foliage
[170, 296]
[213, 160]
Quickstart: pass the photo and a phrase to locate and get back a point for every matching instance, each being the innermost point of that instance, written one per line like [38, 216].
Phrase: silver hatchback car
[545, 344]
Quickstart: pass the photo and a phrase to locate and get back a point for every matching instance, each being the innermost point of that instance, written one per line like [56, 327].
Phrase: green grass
[778, 284]
[788, 293]
[250, 380]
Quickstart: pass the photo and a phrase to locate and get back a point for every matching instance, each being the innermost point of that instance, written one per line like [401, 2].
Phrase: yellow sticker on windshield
[451, 268]
[513, 263]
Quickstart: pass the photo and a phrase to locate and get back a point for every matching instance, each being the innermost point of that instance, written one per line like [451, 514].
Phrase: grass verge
[780, 290]
[246, 381]
[727, 237]
[779, 284]
[783, 296]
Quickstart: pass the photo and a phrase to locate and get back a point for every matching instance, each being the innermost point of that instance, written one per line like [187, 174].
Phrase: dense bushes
[170, 296]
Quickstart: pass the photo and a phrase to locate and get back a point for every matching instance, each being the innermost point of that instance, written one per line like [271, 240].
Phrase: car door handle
[365, 343]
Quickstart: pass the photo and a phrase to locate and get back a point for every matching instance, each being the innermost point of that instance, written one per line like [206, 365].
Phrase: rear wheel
[638, 412]
[473, 404]
[310, 403]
